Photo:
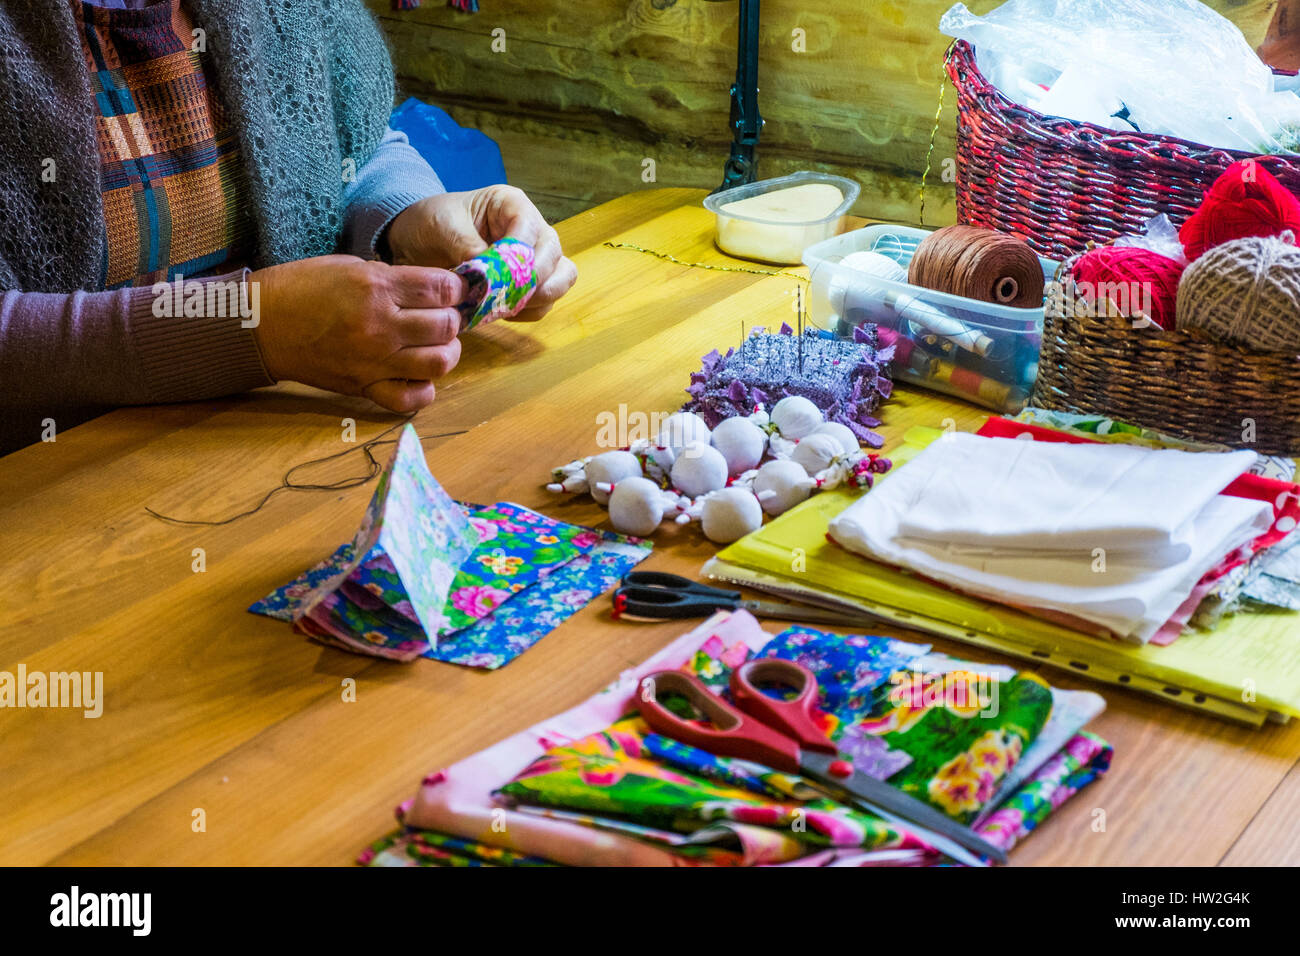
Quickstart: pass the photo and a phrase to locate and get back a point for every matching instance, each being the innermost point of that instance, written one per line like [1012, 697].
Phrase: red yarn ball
[1135, 280]
[1246, 200]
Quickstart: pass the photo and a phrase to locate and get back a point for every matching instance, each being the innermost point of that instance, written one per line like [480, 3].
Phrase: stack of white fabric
[1116, 535]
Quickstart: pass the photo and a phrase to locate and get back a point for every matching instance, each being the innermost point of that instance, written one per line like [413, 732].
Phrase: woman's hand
[447, 229]
[360, 328]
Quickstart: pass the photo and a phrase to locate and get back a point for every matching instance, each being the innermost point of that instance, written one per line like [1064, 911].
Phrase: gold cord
[705, 265]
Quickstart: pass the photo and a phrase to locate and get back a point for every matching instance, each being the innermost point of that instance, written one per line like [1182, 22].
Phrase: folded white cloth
[1004, 492]
[1049, 525]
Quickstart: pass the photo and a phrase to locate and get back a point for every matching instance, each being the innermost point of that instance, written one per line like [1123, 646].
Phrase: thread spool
[988, 390]
[979, 264]
[1245, 292]
[867, 263]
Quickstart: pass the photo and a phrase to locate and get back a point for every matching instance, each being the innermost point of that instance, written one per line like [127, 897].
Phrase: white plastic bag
[1172, 67]
[1159, 235]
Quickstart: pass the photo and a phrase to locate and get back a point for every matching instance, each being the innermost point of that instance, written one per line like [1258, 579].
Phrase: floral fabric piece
[498, 282]
[610, 774]
[411, 847]
[406, 553]
[573, 758]
[722, 844]
[949, 739]
[526, 618]
[1083, 759]
[358, 598]
[515, 547]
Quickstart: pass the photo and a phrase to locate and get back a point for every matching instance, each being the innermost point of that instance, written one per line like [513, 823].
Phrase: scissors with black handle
[783, 735]
[657, 595]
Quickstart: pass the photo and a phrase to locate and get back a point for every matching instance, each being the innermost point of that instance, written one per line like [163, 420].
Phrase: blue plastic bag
[462, 158]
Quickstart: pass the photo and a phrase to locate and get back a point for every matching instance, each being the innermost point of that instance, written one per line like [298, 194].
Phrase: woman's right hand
[360, 327]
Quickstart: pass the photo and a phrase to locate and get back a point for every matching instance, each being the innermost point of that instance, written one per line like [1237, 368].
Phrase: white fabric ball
[789, 483]
[795, 416]
[699, 469]
[663, 457]
[815, 452]
[636, 506]
[730, 514]
[680, 429]
[843, 434]
[741, 442]
[610, 468]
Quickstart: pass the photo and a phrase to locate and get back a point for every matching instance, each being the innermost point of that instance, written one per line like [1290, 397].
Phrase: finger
[416, 327]
[416, 287]
[559, 282]
[424, 363]
[399, 395]
[547, 253]
[456, 228]
[517, 216]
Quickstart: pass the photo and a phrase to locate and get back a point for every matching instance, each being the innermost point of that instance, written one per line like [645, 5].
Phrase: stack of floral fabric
[994, 749]
[467, 584]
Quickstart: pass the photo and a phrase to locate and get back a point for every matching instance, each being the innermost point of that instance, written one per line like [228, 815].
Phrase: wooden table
[209, 708]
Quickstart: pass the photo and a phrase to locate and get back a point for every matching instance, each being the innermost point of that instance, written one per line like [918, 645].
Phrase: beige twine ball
[1245, 292]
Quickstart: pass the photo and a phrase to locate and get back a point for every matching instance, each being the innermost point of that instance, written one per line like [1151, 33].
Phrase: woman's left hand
[445, 230]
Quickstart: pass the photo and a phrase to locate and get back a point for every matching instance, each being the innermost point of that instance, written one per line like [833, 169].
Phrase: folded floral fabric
[613, 773]
[458, 800]
[498, 282]
[597, 788]
[524, 619]
[411, 542]
[1081, 761]
[527, 573]
[411, 847]
[1040, 561]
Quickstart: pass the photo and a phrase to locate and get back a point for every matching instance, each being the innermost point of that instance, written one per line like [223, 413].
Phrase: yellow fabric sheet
[1244, 669]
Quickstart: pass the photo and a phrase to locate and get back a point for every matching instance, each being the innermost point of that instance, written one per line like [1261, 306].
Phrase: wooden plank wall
[586, 91]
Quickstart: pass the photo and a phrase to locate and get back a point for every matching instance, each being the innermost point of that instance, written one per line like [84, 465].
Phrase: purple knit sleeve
[63, 352]
[395, 177]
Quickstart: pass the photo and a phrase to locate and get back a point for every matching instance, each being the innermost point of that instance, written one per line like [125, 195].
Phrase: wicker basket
[1059, 184]
[1095, 360]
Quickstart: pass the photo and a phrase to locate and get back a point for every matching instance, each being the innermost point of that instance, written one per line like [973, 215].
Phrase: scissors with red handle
[783, 735]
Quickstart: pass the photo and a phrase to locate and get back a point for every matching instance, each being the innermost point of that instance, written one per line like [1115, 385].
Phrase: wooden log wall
[590, 99]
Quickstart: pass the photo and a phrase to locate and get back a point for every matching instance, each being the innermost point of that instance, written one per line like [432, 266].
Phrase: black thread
[373, 468]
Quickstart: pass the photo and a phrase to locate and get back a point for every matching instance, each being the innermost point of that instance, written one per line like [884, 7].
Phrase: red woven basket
[1059, 184]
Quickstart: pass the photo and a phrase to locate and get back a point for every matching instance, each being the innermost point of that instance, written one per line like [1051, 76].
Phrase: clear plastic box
[979, 351]
[777, 238]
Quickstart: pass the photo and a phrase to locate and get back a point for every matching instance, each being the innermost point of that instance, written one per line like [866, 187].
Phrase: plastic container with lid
[775, 220]
[980, 351]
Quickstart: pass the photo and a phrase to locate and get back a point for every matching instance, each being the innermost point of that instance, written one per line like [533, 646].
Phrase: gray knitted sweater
[307, 85]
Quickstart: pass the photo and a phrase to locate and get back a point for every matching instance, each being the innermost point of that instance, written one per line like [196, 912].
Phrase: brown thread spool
[978, 264]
